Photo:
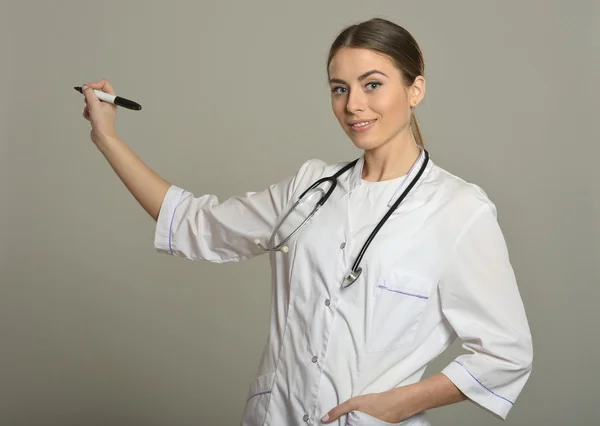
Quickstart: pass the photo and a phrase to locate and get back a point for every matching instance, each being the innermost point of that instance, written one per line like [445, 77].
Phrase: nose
[356, 101]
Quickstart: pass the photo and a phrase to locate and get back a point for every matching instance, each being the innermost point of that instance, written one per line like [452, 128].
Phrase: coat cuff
[163, 233]
[477, 391]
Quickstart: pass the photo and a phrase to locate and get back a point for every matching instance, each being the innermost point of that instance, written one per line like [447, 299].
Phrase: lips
[362, 125]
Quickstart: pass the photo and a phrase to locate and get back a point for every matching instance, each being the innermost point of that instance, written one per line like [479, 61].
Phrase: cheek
[338, 108]
[390, 104]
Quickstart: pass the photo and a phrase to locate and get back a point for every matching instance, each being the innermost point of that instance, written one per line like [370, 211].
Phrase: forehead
[349, 63]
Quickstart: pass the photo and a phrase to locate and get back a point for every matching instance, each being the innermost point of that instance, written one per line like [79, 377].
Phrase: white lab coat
[438, 269]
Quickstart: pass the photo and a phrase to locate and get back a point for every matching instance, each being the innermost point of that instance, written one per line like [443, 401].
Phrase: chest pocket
[397, 305]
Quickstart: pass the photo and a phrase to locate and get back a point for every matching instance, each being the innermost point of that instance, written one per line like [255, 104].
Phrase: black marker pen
[113, 99]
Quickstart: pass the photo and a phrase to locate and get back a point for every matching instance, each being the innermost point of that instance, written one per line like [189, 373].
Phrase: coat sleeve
[203, 228]
[481, 301]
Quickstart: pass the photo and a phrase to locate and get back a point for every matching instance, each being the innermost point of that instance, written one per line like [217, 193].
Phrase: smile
[362, 126]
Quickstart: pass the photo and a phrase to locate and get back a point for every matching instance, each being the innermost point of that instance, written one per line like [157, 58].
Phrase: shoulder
[314, 169]
[316, 166]
[458, 194]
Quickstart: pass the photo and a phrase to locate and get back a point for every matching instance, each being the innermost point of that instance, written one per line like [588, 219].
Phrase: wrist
[106, 143]
[404, 402]
[435, 391]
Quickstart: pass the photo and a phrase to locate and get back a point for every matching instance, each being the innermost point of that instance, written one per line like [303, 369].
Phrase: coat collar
[355, 178]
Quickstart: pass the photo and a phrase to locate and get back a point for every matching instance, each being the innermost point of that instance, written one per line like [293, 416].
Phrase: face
[369, 98]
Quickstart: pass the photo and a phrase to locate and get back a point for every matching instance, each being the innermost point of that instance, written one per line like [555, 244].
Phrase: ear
[417, 91]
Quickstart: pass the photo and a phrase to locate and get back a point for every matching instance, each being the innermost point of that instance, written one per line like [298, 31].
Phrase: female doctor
[376, 270]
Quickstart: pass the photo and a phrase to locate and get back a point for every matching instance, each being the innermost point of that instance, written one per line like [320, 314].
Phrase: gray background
[97, 328]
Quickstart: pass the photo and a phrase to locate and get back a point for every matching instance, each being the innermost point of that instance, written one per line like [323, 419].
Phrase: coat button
[327, 302]
[305, 418]
[343, 245]
[315, 358]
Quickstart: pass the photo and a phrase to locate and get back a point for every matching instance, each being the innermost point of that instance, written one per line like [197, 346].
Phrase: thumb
[90, 97]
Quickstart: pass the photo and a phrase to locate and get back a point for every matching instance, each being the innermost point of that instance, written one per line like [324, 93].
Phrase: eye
[373, 83]
[335, 90]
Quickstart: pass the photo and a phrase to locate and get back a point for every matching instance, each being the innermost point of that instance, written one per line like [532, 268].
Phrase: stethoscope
[356, 269]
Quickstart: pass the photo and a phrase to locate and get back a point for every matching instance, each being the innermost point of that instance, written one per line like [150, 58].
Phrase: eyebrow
[360, 77]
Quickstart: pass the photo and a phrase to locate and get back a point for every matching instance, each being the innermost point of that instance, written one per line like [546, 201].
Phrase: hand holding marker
[113, 99]
[100, 110]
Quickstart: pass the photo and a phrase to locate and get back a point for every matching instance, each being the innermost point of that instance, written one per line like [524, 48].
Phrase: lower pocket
[257, 403]
[358, 418]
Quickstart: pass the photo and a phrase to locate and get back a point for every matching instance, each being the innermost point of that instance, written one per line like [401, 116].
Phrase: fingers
[91, 100]
[108, 88]
[86, 113]
[338, 411]
[103, 85]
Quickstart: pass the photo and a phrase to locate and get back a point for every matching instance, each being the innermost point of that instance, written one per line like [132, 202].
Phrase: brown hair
[392, 40]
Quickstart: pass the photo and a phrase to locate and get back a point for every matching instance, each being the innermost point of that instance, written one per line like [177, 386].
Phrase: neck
[389, 161]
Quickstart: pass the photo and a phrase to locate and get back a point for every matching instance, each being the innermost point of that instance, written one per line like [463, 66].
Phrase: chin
[366, 143]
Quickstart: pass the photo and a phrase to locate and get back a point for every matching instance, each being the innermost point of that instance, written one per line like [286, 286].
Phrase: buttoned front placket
[343, 264]
[315, 309]
[340, 265]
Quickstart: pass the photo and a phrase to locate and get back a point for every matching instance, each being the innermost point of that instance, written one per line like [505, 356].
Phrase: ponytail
[416, 130]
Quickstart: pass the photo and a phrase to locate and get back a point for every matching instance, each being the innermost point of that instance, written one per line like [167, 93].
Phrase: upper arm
[481, 301]
[202, 227]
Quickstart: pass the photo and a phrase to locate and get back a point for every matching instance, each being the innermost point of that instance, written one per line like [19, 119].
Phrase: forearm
[147, 187]
[435, 391]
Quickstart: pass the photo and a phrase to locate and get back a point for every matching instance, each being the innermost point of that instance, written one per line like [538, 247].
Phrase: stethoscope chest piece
[351, 277]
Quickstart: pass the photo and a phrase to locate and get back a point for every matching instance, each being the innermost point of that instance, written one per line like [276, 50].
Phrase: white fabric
[438, 269]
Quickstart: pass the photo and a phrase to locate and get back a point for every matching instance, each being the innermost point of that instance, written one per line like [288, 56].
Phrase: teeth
[361, 124]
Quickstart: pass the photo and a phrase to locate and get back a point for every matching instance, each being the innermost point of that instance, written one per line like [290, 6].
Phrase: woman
[348, 344]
